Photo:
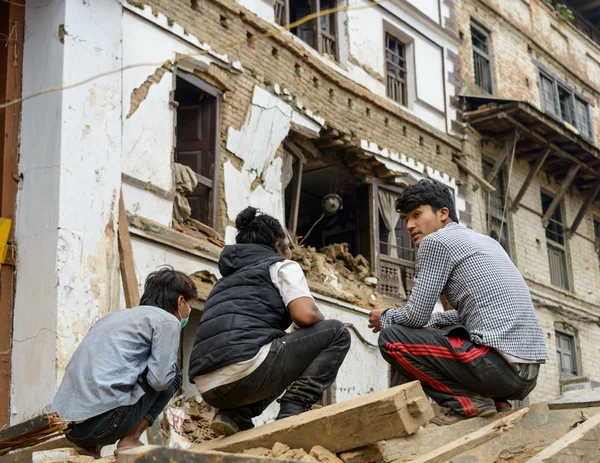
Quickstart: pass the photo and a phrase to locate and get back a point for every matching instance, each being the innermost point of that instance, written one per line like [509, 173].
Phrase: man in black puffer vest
[242, 358]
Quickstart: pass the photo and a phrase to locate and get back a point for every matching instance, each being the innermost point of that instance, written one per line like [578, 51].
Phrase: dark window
[563, 102]
[582, 118]
[555, 242]
[482, 61]
[548, 93]
[566, 355]
[496, 212]
[395, 58]
[319, 33]
[198, 124]
[396, 256]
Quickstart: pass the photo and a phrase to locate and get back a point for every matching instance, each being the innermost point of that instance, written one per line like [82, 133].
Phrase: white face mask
[184, 321]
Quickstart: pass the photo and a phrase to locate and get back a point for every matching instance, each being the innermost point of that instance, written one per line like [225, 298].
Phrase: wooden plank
[24, 455]
[296, 190]
[483, 182]
[128, 276]
[394, 412]
[538, 429]
[26, 426]
[584, 209]
[562, 191]
[581, 444]
[472, 440]
[532, 173]
[590, 398]
[294, 149]
[556, 149]
[509, 147]
[155, 453]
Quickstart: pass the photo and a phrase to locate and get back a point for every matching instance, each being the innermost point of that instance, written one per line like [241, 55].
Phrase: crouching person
[242, 358]
[124, 372]
[472, 359]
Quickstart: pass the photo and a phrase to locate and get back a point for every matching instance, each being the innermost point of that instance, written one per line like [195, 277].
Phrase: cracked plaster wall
[70, 160]
[148, 135]
[268, 122]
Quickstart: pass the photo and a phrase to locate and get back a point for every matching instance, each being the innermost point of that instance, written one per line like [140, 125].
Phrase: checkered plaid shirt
[480, 281]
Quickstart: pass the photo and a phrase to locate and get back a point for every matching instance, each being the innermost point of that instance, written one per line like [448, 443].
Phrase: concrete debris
[323, 455]
[198, 416]
[283, 452]
[336, 273]
[204, 281]
[369, 454]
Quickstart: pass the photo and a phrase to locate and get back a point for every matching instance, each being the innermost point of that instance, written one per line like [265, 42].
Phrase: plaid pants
[453, 371]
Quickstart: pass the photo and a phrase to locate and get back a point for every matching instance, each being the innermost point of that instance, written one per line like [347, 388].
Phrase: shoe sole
[222, 429]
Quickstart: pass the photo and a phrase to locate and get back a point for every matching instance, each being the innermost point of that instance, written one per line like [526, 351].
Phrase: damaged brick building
[215, 104]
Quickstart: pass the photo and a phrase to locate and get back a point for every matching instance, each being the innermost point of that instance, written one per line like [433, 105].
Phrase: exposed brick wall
[521, 34]
[280, 60]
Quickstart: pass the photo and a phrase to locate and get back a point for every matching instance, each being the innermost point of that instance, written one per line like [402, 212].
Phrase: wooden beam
[128, 276]
[586, 399]
[556, 149]
[532, 173]
[395, 412]
[296, 190]
[483, 182]
[509, 147]
[470, 441]
[560, 194]
[294, 149]
[584, 209]
[581, 444]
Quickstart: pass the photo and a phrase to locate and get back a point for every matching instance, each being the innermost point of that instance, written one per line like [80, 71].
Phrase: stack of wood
[31, 432]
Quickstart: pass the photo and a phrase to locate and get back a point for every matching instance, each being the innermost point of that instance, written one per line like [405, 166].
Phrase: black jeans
[306, 360]
[113, 425]
[453, 371]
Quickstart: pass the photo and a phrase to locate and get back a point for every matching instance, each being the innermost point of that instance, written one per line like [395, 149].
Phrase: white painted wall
[430, 8]
[267, 124]
[426, 61]
[262, 8]
[70, 161]
[36, 232]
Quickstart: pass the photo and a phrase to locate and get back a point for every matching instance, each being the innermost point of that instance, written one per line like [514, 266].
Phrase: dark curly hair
[258, 228]
[164, 286]
[427, 193]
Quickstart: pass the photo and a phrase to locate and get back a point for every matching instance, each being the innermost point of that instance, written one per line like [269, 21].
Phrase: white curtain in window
[387, 209]
[288, 169]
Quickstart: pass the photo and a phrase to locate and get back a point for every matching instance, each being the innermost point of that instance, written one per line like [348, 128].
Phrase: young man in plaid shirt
[488, 350]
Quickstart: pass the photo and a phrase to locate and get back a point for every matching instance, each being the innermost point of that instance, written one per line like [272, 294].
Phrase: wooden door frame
[11, 66]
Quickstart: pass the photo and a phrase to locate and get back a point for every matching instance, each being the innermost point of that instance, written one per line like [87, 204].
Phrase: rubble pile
[336, 273]
[197, 418]
[281, 451]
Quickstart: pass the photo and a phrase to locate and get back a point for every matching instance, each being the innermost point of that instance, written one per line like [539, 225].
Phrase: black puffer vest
[243, 312]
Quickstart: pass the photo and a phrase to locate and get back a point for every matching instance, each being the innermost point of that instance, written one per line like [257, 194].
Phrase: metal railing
[557, 258]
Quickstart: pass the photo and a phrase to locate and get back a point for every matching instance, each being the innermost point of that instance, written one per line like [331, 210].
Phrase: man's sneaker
[222, 425]
[288, 409]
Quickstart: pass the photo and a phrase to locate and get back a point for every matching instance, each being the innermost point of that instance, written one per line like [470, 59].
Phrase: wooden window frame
[557, 86]
[482, 55]
[557, 245]
[214, 183]
[320, 34]
[402, 98]
[565, 333]
[406, 266]
[596, 225]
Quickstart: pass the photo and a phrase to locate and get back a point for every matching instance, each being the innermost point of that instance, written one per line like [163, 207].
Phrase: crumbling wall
[70, 165]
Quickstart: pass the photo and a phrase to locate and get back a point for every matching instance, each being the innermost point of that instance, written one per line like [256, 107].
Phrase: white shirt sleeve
[289, 279]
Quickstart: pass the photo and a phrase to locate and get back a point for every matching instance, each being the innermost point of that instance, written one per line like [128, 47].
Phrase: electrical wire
[311, 228]
[310, 17]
